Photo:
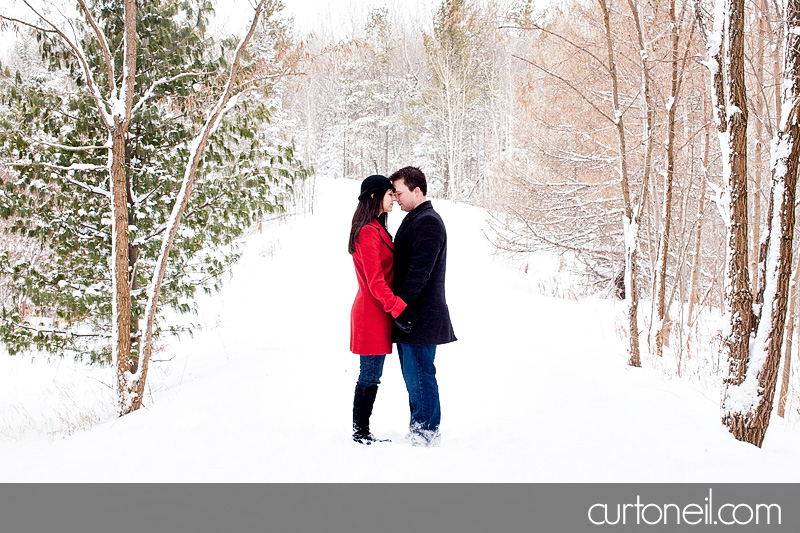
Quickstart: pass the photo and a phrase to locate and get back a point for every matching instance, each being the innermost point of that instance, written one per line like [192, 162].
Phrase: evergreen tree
[460, 77]
[58, 144]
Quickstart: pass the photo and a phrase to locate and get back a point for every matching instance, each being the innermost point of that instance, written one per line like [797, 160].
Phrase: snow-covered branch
[71, 168]
[162, 81]
[63, 332]
[101, 38]
[91, 188]
[64, 147]
[26, 24]
[225, 102]
[91, 84]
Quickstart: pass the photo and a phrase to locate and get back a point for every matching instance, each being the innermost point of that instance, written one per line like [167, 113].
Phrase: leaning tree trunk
[777, 64]
[777, 55]
[197, 148]
[749, 399]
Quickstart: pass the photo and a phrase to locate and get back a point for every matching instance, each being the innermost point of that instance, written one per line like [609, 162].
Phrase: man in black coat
[420, 260]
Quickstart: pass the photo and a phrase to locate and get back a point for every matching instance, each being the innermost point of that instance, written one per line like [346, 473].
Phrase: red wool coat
[375, 303]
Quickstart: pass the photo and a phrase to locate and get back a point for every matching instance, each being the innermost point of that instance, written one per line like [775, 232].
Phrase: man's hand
[406, 321]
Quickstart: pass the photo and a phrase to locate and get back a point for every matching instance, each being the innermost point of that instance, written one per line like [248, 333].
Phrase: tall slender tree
[143, 102]
[750, 387]
[453, 59]
[632, 214]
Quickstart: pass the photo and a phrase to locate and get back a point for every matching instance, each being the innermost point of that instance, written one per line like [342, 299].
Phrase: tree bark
[758, 148]
[663, 326]
[631, 216]
[738, 296]
[121, 293]
[791, 321]
[750, 387]
[196, 154]
[694, 290]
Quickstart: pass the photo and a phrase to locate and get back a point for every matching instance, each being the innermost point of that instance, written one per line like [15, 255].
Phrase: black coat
[420, 260]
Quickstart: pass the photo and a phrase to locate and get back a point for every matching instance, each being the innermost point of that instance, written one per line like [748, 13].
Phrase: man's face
[406, 199]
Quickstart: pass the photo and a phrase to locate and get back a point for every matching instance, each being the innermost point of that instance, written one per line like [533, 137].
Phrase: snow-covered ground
[535, 390]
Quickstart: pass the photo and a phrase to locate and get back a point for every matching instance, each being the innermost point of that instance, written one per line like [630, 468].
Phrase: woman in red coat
[375, 305]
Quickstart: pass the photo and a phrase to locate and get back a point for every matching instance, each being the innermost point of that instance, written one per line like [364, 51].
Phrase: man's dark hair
[412, 177]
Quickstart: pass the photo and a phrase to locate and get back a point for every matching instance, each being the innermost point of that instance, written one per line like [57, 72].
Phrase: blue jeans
[419, 373]
[371, 370]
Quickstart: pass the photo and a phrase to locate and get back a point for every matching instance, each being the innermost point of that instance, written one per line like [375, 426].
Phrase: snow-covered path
[536, 389]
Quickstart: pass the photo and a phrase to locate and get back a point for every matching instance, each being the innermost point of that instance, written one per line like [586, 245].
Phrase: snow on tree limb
[162, 81]
[94, 90]
[75, 167]
[101, 38]
[197, 146]
[68, 148]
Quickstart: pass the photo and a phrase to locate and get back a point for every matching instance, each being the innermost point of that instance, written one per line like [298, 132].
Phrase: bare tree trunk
[114, 109]
[787, 351]
[196, 154]
[121, 306]
[309, 101]
[738, 295]
[631, 220]
[760, 275]
[647, 133]
[694, 291]
[749, 394]
[777, 63]
[663, 252]
[386, 126]
[450, 181]
[758, 149]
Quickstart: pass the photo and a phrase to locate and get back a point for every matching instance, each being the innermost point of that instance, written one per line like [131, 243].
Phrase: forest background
[650, 145]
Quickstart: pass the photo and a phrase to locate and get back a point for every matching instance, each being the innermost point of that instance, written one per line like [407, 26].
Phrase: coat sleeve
[369, 245]
[428, 242]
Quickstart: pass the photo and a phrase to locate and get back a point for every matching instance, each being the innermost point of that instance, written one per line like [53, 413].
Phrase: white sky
[336, 16]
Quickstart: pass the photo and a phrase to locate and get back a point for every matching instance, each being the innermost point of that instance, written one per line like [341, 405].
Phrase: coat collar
[411, 215]
[382, 232]
[424, 206]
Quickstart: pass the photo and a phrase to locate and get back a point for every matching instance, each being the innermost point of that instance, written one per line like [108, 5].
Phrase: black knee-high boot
[362, 409]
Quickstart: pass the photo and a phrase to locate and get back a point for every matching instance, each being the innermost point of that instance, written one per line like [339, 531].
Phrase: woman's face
[388, 201]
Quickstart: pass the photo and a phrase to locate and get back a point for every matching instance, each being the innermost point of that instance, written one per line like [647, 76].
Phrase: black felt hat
[374, 183]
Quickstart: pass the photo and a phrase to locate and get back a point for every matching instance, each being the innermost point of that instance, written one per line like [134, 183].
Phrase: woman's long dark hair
[366, 211]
